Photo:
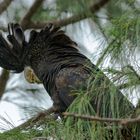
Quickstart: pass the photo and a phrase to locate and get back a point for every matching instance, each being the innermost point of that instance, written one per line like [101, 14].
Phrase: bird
[61, 68]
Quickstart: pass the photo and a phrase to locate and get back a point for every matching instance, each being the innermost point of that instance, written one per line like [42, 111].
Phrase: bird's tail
[11, 54]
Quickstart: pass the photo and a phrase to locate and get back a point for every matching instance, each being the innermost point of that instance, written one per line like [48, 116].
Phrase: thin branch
[27, 18]
[4, 5]
[73, 19]
[62, 22]
[128, 85]
[134, 71]
[125, 121]
[3, 81]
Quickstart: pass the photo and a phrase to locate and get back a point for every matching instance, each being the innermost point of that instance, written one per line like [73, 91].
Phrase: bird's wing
[106, 98]
[69, 81]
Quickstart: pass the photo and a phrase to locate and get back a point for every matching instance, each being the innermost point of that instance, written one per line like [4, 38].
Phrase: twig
[125, 121]
[4, 5]
[3, 81]
[27, 18]
[128, 85]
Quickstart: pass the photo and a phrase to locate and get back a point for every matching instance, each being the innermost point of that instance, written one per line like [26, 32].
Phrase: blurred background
[107, 32]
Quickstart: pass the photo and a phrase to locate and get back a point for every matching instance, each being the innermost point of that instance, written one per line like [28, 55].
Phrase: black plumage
[56, 61]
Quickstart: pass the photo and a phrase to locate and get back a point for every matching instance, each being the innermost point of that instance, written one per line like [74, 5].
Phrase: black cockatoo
[62, 69]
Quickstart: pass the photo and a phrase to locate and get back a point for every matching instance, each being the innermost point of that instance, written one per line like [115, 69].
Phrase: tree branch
[27, 18]
[26, 22]
[4, 5]
[3, 81]
[125, 121]
[73, 19]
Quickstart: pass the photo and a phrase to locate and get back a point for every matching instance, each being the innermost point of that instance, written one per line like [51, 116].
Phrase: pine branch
[73, 19]
[46, 116]
[27, 18]
[128, 85]
[40, 117]
[26, 22]
[125, 121]
[4, 5]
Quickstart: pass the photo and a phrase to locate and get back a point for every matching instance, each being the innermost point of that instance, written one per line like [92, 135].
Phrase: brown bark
[3, 81]
[4, 5]
[27, 18]
[125, 121]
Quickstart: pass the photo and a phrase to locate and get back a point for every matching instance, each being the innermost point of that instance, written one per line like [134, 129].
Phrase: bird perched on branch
[62, 69]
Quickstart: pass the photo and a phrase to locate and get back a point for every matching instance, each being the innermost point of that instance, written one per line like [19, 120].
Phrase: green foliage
[122, 31]
[68, 127]
[12, 135]
[18, 134]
